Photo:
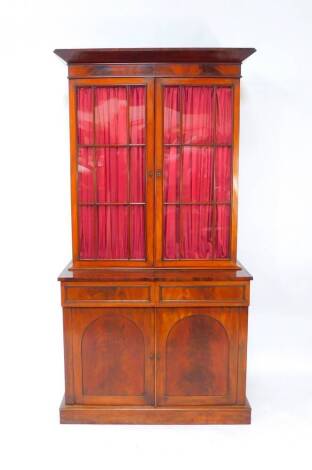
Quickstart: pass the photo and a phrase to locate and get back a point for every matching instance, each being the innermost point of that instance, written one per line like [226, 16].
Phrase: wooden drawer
[98, 294]
[216, 293]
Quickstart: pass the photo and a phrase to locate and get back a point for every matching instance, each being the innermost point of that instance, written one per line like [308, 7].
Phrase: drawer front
[205, 293]
[101, 295]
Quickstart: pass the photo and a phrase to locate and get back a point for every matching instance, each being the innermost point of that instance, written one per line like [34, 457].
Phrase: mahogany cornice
[155, 55]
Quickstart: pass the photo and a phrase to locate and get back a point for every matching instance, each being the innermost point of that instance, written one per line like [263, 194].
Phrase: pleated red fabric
[85, 115]
[197, 171]
[113, 176]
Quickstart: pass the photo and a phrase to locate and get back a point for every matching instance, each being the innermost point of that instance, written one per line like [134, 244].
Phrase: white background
[275, 229]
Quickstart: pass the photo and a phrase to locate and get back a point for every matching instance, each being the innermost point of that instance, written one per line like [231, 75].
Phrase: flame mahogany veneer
[157, 337]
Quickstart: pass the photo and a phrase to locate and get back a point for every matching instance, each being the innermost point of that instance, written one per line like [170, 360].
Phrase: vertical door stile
[150, 171]
[158, 165]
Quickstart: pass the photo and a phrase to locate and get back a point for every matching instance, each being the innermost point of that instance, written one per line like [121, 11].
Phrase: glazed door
[112, 158]
[197, 356]
[196, 171]
[113, 356]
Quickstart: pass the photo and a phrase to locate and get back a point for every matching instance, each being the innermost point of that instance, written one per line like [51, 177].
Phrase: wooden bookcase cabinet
[155, 304]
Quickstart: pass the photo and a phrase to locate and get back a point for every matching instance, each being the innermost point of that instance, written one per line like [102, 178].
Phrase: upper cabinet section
[154, 156]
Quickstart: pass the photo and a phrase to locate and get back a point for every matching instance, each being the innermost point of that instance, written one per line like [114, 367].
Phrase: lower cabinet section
[164, 357]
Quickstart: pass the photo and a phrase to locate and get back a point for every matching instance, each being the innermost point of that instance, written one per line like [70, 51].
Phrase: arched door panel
[197, 352]
[112, 356]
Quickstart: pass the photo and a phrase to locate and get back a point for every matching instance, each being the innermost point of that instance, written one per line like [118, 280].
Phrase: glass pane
[137, 174]
[137, 232]
[223, 172]
[196, 232]
[87, 221]
[171, 174]
[224, 116]
[112, 174]
[171, 115]
[111, 115]
[137, 114]
[85, 115]
[222, 231]
[171, 232]
[113, 232]
[197, 103]
[86, 191]
[197, 174]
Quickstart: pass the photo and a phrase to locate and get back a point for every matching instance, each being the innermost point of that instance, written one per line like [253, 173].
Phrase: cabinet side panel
[68, 356]
[242, 355]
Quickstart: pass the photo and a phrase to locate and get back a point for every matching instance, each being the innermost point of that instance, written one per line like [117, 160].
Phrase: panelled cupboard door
[197, 356]
[196, 171]
[112, 168]
[113, 356]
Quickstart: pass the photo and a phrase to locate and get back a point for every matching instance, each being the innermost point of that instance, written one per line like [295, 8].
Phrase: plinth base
[95, 414]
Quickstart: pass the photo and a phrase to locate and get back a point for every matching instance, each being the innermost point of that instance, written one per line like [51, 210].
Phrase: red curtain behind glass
[197, 172]
[113, 176]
